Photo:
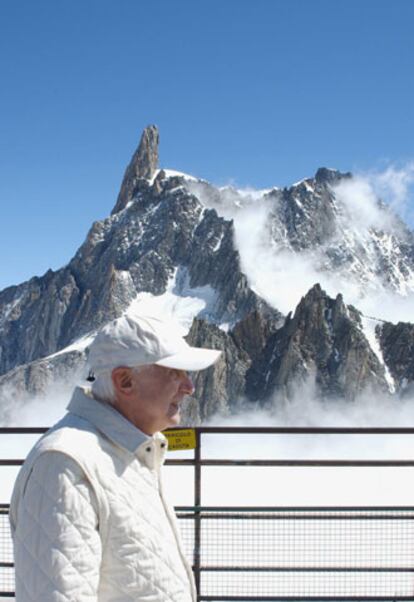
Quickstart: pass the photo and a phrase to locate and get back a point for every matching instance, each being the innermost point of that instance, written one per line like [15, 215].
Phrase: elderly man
[89, 518]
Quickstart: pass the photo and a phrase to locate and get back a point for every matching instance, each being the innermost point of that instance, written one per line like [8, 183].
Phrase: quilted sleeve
[56, 541]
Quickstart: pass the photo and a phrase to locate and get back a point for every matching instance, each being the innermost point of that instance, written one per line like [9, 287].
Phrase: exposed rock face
[324, 175]
[312, 217]
[323, 341]
[35, 317]
[303, 216]
[222, 388]
[52, 376]
[142, 167]
[397, 344]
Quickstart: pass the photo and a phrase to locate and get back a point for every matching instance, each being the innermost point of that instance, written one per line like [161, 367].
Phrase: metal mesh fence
[263, 554]
[6, 554]
[306, 553]
[286, 553]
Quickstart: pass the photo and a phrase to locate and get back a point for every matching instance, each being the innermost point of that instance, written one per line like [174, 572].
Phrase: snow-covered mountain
[230, 265]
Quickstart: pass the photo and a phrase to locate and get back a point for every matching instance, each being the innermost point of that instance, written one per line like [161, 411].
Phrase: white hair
[103, 386]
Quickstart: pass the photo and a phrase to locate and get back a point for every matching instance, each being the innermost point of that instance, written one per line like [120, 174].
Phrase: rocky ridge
[163, 235]
[323, 341]
[397, 344]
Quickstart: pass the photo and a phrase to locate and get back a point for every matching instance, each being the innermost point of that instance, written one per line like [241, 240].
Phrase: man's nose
[187, 385]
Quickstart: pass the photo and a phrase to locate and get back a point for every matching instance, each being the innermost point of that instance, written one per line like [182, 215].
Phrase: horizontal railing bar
[316, 569]
[6, 565]
[304, 509]
[296, 517]
[350, 463]
[299, 509]
[306, 430]
[23, 430]
[245, 598]
[277, 569]
[298, 430]
[294, 508]
[268, 463]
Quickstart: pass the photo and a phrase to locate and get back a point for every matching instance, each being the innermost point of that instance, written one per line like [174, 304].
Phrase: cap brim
[193, 358]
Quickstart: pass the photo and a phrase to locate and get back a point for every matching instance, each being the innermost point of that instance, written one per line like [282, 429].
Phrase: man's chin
[174, 414]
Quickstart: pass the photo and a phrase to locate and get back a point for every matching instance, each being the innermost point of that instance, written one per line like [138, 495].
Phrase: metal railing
[270, 553]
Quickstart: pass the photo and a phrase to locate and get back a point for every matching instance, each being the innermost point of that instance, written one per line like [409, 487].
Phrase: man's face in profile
[152, 395]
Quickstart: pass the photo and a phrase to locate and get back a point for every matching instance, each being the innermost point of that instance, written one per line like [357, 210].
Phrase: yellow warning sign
[181, 439]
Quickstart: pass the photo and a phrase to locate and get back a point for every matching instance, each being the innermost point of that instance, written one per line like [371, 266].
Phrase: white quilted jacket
[89, 519]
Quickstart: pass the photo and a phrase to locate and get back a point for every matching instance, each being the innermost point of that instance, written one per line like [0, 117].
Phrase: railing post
[197, 515]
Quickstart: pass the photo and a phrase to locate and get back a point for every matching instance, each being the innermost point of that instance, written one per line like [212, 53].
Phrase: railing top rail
[305, 430]
[302, 509]
[23, 430]
[294, 508]
[270, 430]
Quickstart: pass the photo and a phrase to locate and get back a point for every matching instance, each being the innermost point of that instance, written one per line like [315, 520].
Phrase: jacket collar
[108, 420]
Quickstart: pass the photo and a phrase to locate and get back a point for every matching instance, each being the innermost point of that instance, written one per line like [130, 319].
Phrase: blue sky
[258, 93]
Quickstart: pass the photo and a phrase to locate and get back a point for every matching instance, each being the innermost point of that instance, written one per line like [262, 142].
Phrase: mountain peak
[143, 165]
[325, 175]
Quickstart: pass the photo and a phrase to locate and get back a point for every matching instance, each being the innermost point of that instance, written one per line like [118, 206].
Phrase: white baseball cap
[133, 340]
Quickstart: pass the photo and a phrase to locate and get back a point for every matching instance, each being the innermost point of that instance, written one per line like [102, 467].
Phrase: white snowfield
[78, 345]
[171, 173]
[180, 301]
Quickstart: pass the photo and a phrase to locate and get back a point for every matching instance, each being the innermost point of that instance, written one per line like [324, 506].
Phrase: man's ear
[122, 379]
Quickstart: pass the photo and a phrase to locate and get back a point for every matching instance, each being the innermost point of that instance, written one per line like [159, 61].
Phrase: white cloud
[294, 486]
[360, 200]
[313, 486]
[394, 186]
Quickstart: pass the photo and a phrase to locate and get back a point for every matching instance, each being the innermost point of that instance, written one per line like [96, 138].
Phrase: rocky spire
[324, 175]
[143, 165]
[323, 343]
